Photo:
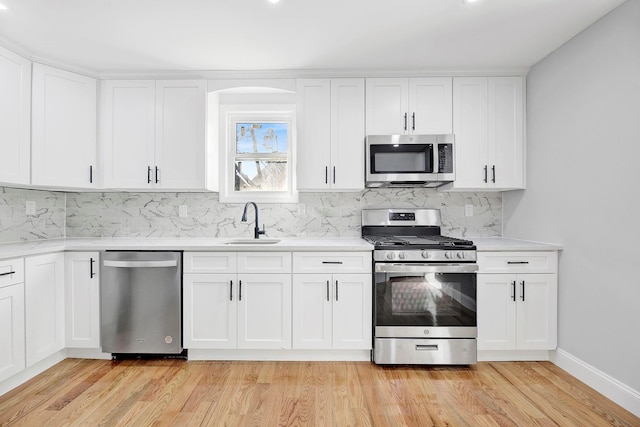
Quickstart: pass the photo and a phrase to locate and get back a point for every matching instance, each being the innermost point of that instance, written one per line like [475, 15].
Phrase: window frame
[232, 114]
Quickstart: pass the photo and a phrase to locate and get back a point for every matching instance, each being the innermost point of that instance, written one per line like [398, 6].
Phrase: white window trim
[230, 114]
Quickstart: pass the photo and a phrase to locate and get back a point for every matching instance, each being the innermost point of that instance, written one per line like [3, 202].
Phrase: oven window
[401, 158]
[431, 299]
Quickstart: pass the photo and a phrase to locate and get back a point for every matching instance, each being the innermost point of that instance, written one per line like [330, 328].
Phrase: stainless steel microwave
[409, 160]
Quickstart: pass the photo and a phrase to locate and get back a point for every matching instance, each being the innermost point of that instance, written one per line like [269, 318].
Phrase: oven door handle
[425, 268]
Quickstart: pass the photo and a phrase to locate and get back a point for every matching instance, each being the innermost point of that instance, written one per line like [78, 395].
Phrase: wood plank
[176, 392]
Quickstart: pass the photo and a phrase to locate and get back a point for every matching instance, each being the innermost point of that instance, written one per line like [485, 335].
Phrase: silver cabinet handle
[517, 262]
[141, 264]
[332, 262]
[327, 290]
[336, 290]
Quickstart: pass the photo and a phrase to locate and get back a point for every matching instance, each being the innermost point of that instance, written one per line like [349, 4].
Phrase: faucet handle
[263, 231]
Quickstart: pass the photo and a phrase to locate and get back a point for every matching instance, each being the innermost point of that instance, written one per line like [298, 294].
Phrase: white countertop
[485, 244]
[286, 244]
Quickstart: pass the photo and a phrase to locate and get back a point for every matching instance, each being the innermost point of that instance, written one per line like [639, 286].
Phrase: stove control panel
[425, 255]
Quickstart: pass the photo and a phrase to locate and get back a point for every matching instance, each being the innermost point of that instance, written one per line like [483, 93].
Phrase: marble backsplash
[315, 215]
[60, 214]
[48, 221]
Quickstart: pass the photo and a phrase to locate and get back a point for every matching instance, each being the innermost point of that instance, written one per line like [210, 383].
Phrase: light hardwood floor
[180, 393]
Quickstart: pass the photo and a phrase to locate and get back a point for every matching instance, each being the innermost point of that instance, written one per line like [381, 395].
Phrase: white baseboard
[512, 355]
[26, 374]
[604, 384]
[87, 353]
[288, 355]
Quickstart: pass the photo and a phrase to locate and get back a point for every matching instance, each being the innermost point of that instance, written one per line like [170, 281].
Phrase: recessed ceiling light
[469, 1]
[274, 1]
[3, 7]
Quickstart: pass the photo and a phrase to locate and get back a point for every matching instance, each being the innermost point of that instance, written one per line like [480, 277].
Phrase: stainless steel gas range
[424, 289]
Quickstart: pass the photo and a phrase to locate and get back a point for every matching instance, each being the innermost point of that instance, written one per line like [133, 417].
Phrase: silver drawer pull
[517, 262]
[426, 347]
[7, 273]
[141, 264]
[332, 262]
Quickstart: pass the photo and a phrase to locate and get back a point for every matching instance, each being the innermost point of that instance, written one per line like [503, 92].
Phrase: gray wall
[583, 187]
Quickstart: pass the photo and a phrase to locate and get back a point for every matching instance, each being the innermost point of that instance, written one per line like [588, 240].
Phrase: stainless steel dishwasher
[141, 302]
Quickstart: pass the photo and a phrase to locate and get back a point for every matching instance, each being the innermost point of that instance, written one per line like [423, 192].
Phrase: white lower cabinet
[332, 311]
[264, 311]
[237, 300]
[82, 299]
[332, 300]
[44, 306]
[12, 357]
[517, 309]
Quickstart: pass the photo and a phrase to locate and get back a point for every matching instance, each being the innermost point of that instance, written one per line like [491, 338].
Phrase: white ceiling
[376, 35]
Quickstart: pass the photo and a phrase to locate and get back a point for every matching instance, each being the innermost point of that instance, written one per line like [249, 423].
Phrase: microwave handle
[436, 163]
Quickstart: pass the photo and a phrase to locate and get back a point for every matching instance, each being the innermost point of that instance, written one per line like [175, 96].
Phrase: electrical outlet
[30, 207]
[468, 210]
[182, 211]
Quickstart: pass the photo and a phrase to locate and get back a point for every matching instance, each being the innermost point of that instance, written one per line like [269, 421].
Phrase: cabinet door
[15, 111]
[312, 311]
[127, 132]
[347, 134]
[496, 312]
[430, 105]
[63, 129]
[264, 311]
[82, 285]
[352, 311]
[387, 101]
[314, 133]
[505, 132]
[12, 358]
[537, 311]
[44, 306]
[180, 134]
[209, 310]
[470, 129]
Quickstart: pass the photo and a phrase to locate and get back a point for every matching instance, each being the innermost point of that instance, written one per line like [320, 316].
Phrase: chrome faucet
[256, 231]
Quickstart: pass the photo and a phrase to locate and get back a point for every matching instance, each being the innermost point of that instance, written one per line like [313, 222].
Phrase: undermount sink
[253, 242]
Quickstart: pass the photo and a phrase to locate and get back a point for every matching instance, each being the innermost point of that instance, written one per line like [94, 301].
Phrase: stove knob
[460, 255]
[447, 255]
[401, 255]
[426, 254]
[391, 255]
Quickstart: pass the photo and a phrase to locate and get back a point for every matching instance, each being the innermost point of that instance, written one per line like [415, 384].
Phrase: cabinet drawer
[11, 271]
[209, 262]
[332, 262]
[518, 262]
[264, 262]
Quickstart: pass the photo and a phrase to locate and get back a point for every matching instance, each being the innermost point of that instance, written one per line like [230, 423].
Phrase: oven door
[425, 300]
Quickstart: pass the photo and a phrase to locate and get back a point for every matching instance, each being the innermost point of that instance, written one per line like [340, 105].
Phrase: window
[258, 163]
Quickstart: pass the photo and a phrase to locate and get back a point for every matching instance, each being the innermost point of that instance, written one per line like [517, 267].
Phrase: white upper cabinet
[127, 133]
[153, 134]
[330, 134]
[15, 111]
[488, 123]
[397, 106]
[63, 129]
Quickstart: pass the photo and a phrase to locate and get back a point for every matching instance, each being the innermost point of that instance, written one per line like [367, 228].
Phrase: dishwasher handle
[141, 264]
